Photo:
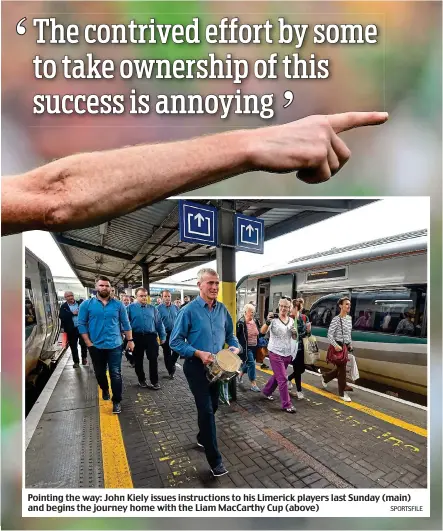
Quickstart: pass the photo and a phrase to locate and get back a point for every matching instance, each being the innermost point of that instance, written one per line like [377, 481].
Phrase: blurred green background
[401, 74]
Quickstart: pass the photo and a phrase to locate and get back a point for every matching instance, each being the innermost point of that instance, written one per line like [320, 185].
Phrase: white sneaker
[346, 398]
[290, 385]
[300, 395]
[324, 384]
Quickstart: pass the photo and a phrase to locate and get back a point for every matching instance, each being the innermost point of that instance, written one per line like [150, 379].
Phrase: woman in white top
[281, 347]
[339, 333]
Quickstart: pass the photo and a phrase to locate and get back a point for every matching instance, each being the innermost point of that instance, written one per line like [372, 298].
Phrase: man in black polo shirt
[69, 316]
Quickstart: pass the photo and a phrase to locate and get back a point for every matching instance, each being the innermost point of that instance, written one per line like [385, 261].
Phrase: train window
[399, 312]
[251, 291]
[324, 310]
[45, 293]
[241, 298]
[30, 316]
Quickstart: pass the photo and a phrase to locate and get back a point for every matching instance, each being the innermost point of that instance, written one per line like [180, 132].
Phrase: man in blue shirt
[146, 326]
[68, 315]
[126, 300]
[101, 320]
[168, 313]
[201, 330]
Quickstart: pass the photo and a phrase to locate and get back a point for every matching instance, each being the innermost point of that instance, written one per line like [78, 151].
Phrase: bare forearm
[90, 188]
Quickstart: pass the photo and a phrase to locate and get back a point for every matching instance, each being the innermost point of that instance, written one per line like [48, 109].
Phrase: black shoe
[116, 408]
[76, 365]
[106, 395]
[171, 376]
[199, 444]
[84, 361]
[156, 386]
[144, 384]
[290, 410]
[219, 470]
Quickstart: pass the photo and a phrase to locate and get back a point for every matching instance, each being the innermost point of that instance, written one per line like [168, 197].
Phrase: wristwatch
[268, 322]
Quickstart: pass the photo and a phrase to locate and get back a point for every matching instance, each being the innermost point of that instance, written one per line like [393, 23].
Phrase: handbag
[312, 354]
[352, 369]
[262, 342]
[339, 357]
[262, 352]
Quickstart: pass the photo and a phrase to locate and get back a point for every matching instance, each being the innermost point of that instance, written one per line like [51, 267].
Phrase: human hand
[309, 145]
[338, 349]
[235, 350]
[270, 315]
[206, 357]
[308, 327]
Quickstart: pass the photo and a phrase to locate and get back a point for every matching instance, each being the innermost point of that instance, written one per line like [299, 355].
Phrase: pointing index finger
[348, 120]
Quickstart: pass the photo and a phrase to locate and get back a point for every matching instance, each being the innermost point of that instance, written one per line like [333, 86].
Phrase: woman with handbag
[283, 341]
[339, 335]
[298, 363]
[248, 331]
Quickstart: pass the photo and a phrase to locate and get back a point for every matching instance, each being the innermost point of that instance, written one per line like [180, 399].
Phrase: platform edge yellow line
[364, 409]
[117, 474]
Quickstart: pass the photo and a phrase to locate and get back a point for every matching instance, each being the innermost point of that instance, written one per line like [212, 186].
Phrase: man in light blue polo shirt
[146, 326]
[168, 313]
[201, 330]
[101, 320]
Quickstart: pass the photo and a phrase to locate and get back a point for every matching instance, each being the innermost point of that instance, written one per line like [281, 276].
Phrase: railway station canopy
[150, 236]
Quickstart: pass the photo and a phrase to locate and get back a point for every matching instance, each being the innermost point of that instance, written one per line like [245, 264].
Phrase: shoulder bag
[338, 357]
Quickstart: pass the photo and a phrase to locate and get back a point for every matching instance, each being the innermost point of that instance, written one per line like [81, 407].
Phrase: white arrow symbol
[249, 229]
[200, 219]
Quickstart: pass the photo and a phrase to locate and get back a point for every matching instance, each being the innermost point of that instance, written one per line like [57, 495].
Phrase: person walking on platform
[168, 313]
[248, 331]
[146, 327]
[201, 330]
[126, 300]
[69, 320]
[298, 363]
[281, 351]
[101, 320]
[339, 335]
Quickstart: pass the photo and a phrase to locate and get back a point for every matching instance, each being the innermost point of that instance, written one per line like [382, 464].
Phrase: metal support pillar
[145, 276]
[226, 257]
[226, 269]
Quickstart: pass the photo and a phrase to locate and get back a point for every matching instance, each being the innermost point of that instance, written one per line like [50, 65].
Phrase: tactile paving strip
[65, 451]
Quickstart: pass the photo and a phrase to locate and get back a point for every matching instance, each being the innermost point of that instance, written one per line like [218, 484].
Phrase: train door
[47, 309]
[263, 299]
[280, 286]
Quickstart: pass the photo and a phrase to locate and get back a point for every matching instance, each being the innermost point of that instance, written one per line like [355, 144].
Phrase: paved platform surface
[372, 442]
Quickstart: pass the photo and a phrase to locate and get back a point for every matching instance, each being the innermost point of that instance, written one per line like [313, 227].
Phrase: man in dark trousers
[168, 313]
[101, 321]
[201, 330]
[69, 320]
[146, 326]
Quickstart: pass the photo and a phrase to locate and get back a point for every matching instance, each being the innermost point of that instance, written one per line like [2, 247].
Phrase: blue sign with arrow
[198, 223]
[249, 234]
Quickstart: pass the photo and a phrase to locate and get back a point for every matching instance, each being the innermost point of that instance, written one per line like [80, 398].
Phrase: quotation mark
[21, 30]
[289, 97]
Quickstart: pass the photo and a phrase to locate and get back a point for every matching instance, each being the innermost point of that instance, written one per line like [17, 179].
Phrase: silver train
[42, 325]
[386, 280]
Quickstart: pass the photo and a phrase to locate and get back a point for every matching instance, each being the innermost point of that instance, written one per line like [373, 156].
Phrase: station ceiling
[151, 236]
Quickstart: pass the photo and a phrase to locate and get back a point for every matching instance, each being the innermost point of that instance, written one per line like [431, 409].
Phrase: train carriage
[42, 325]
[386, 280]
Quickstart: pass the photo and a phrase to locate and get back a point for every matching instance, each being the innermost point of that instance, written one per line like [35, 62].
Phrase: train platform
[74, 441]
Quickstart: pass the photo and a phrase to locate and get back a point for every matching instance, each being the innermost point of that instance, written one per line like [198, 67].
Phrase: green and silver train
[386, 280]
